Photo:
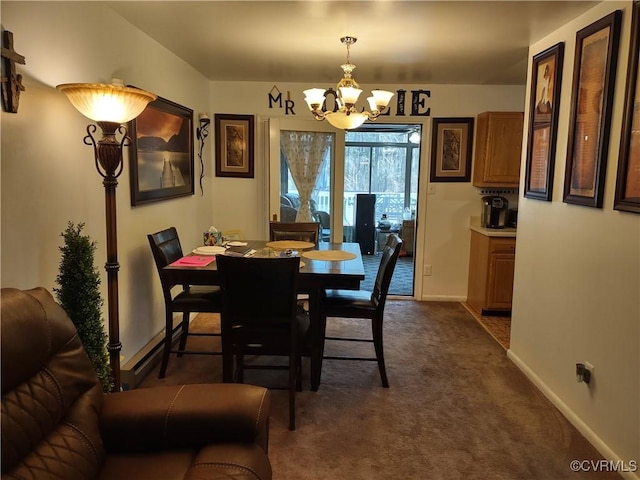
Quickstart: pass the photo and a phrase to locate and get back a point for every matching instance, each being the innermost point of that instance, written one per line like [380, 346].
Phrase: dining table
[323, 266]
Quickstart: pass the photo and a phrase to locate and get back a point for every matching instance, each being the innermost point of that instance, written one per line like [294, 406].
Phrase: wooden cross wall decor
[11, 81]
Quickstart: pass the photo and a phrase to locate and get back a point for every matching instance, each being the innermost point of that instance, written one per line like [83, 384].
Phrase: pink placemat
[193, 261]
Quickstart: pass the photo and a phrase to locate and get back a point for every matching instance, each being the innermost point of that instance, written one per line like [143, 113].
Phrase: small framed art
[234, 145]
[543, 122]
[591, 104]
[451, 148]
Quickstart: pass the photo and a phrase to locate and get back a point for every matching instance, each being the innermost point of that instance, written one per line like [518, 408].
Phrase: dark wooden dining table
[315, 277]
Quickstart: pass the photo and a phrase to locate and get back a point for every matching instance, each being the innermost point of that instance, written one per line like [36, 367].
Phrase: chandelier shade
[107, 102]
[346, 116]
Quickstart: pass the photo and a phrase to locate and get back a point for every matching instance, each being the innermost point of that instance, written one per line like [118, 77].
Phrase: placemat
[290, 245]
[209, 250]
[329, 255]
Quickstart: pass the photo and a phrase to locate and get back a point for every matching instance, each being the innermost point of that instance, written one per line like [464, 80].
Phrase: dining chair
[166, 249]
[364, 304]
[303, 231]
[260, 317]
[232, 235]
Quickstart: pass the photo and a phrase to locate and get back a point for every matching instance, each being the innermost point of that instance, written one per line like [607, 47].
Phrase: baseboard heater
[135, 370]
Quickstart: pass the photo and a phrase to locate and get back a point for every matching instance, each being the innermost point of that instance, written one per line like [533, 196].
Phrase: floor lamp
[109, 105]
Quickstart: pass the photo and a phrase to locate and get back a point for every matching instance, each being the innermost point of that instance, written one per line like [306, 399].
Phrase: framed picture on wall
[627, 196]
[591, 103]
[546, 79]
[451, 149]
[161, 152]
[234, 145]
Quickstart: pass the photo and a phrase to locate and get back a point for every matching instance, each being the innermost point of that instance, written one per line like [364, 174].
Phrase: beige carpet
[457, 408]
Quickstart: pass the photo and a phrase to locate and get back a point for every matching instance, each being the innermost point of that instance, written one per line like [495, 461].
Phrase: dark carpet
[457, 408]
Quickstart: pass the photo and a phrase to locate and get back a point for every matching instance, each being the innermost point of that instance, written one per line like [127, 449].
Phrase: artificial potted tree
[79, 295]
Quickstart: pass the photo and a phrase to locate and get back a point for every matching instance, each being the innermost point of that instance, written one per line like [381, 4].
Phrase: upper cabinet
[498, 149]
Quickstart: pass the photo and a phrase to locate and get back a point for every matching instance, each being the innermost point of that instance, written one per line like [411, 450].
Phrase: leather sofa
[58, 424]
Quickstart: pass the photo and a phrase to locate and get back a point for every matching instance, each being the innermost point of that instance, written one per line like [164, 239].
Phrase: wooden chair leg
[293, 374]
[185, 331]
[239, 377]
[376, 324]
[167, 344]
[299, 375]
[227, 366]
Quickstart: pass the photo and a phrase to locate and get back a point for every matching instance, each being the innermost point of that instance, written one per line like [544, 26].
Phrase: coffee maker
[495, 211]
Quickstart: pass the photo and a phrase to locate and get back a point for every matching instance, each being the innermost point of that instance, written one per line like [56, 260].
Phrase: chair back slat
[166, 249]
[302, 231]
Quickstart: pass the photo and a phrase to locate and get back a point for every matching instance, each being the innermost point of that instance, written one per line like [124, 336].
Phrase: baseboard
[142, 363]
[570, 415]
[443, 298]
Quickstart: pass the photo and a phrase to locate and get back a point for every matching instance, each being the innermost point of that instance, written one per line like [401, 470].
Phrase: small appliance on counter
[495, 211]
[513, 218]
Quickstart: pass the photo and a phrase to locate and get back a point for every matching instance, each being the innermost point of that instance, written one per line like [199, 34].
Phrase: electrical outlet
[584, 372]
[589, 367]
[427, 270]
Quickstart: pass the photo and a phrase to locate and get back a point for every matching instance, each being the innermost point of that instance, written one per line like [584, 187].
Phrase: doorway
[382, 161]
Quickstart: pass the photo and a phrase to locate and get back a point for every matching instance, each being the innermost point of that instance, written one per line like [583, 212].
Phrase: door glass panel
[377, 162]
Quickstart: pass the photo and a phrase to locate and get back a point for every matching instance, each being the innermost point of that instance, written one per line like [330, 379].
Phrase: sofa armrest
[185, 416]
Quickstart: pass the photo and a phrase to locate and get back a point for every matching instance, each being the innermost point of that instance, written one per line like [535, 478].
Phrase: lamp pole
[108, 159]
[109, 105]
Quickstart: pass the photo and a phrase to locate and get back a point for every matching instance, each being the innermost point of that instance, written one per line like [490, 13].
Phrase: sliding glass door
[380, 160]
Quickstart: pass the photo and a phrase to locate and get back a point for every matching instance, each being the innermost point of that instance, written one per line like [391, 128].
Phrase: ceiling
[433, 42]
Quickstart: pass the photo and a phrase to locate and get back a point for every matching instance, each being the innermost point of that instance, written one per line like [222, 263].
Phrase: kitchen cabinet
[491, 267]
[498, 149]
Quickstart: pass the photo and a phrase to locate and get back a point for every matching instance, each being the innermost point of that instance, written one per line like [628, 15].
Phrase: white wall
[48, 174]
[443, 217]
[92, 44]
[577, 283]
[577, 268]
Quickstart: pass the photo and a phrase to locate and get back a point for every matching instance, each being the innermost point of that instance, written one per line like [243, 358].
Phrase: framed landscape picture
[546, 78]
[627, 196]
[451, 149]
[591, 104]
[161, 152]
[234, 145]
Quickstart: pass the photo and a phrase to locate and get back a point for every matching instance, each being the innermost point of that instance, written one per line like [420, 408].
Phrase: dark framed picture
[161, 152]
[627, 197]
[594, 72]
[546, 79]
[451, 147]
[234, 145]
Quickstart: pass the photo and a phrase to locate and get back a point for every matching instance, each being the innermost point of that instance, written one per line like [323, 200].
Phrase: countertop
[507, 232]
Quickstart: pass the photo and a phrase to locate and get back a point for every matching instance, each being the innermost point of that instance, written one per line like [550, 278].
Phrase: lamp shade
[107, 102]
[314, 96]
[346, 122]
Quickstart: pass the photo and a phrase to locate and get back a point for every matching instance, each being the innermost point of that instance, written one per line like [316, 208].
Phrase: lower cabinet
[491, 267]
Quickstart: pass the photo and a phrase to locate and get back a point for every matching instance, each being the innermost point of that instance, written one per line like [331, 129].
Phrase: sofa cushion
[50, 396]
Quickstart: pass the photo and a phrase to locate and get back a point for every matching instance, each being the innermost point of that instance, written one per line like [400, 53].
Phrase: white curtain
[304, 152]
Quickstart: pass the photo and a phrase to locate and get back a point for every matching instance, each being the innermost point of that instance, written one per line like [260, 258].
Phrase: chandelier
[347, 92]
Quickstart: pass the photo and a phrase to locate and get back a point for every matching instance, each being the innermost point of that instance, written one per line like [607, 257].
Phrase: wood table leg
[317, 337]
